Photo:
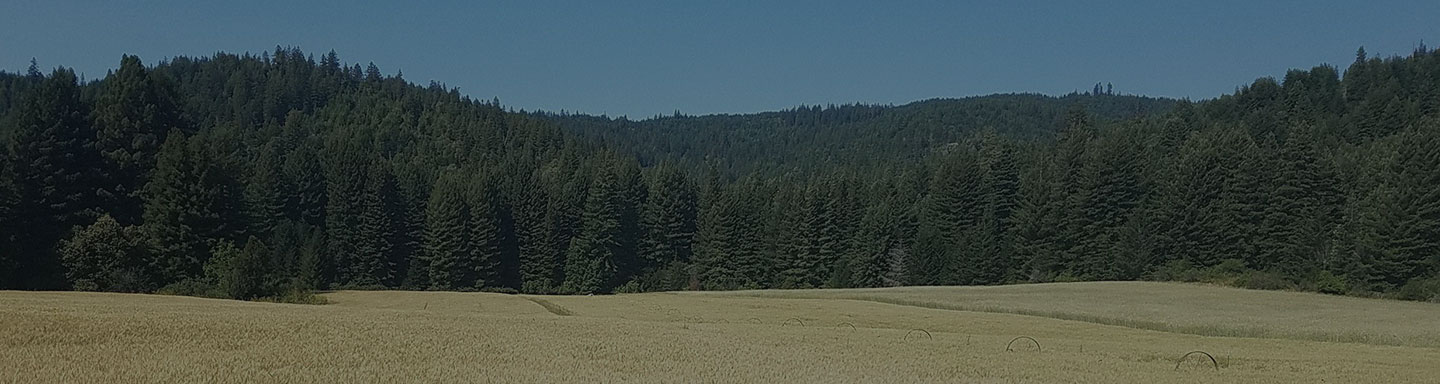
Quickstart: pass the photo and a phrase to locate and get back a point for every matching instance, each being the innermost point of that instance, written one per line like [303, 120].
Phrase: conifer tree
[305, 181]
[483, 237]
[134, 111]
[373, 260]
[669, 218]
[590, 262]
[55, 173]
[264, 191]
[181, 216]
[533, 232]
[444, 245]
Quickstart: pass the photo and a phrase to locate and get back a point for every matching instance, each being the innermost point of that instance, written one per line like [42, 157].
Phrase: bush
[1326, 282]
[671, 277]
[239, 274]
[1420, 290]
[504, 290]
[296, 296]
[1176, 270]
[106, 256]
[536, 287]
[1227, 269]
[632, 286]
[1262, 280]
[188, 287]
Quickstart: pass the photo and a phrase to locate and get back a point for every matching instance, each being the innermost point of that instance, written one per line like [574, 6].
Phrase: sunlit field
[881, 335]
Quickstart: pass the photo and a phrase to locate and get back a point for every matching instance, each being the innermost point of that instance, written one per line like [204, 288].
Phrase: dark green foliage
[263, 177]
[444, 245]
[132, 115]
[483, 237]
[594, 254]
[265, 193]
[538, 261]
[108, 257]
[184, 207]
[55, 174]
[241, 274]
[669, 218]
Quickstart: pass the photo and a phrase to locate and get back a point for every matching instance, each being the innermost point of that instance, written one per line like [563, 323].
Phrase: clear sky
[641, 58]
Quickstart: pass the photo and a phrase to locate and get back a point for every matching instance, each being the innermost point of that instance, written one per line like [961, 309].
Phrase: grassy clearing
[1181, 308]
[391, 336]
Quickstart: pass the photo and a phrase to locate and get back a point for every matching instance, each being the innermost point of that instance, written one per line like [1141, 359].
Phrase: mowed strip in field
[664, 337]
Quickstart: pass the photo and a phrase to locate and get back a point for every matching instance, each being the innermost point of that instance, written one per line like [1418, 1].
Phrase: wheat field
[755, 336]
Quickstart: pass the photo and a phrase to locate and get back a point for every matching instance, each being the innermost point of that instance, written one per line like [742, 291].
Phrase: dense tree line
[258, 176]
[796, 140]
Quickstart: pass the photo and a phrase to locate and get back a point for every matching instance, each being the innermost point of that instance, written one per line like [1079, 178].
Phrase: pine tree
[728, 253]
[590, 261]
[483, 238]
[373, 261]
[744, 206]
[134, 111]
[632, 195]
[305, 181]
[346, 163]
[954, 206]
[1302, 207]
[669, 219]
[533, 232]
[408, 229]
[873, 261]
[443, 247]
[181, 216]
[1001, 183]
[1037, 223]
[9, 230]
[55, 173]
[264, 192]
[1113, 191]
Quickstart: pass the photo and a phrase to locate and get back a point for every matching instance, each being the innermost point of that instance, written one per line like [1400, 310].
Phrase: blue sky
[641, 58]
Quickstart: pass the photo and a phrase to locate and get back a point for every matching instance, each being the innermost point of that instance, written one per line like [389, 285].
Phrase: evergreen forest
[273, 175]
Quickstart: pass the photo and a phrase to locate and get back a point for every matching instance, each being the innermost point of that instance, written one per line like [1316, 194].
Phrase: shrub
[1262, 280]
[1420, 290]
[106, 256]
[504, 290]
[536, 287]
[296, 296]
[188, 287]
[1176, 270]
[1326, 282]
[239, 274]
[632, 286]
[1226, 270]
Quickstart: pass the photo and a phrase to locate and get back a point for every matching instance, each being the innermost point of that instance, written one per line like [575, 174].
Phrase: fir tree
[444, 245]
[590, 261]
[483, 238]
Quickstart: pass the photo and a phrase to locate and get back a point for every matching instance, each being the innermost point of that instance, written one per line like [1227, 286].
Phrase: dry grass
[680, 337]
[1181, 308]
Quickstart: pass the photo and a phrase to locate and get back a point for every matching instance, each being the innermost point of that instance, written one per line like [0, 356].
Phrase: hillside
[811, 139]
[270, 176]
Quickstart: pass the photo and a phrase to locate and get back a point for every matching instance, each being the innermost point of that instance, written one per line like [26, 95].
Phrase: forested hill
[266, 176]
[812, 138]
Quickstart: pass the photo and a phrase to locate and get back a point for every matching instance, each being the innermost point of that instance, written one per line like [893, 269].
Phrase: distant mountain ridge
[852, 134]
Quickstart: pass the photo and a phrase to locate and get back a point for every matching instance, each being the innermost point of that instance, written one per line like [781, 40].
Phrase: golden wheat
[666, 337]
